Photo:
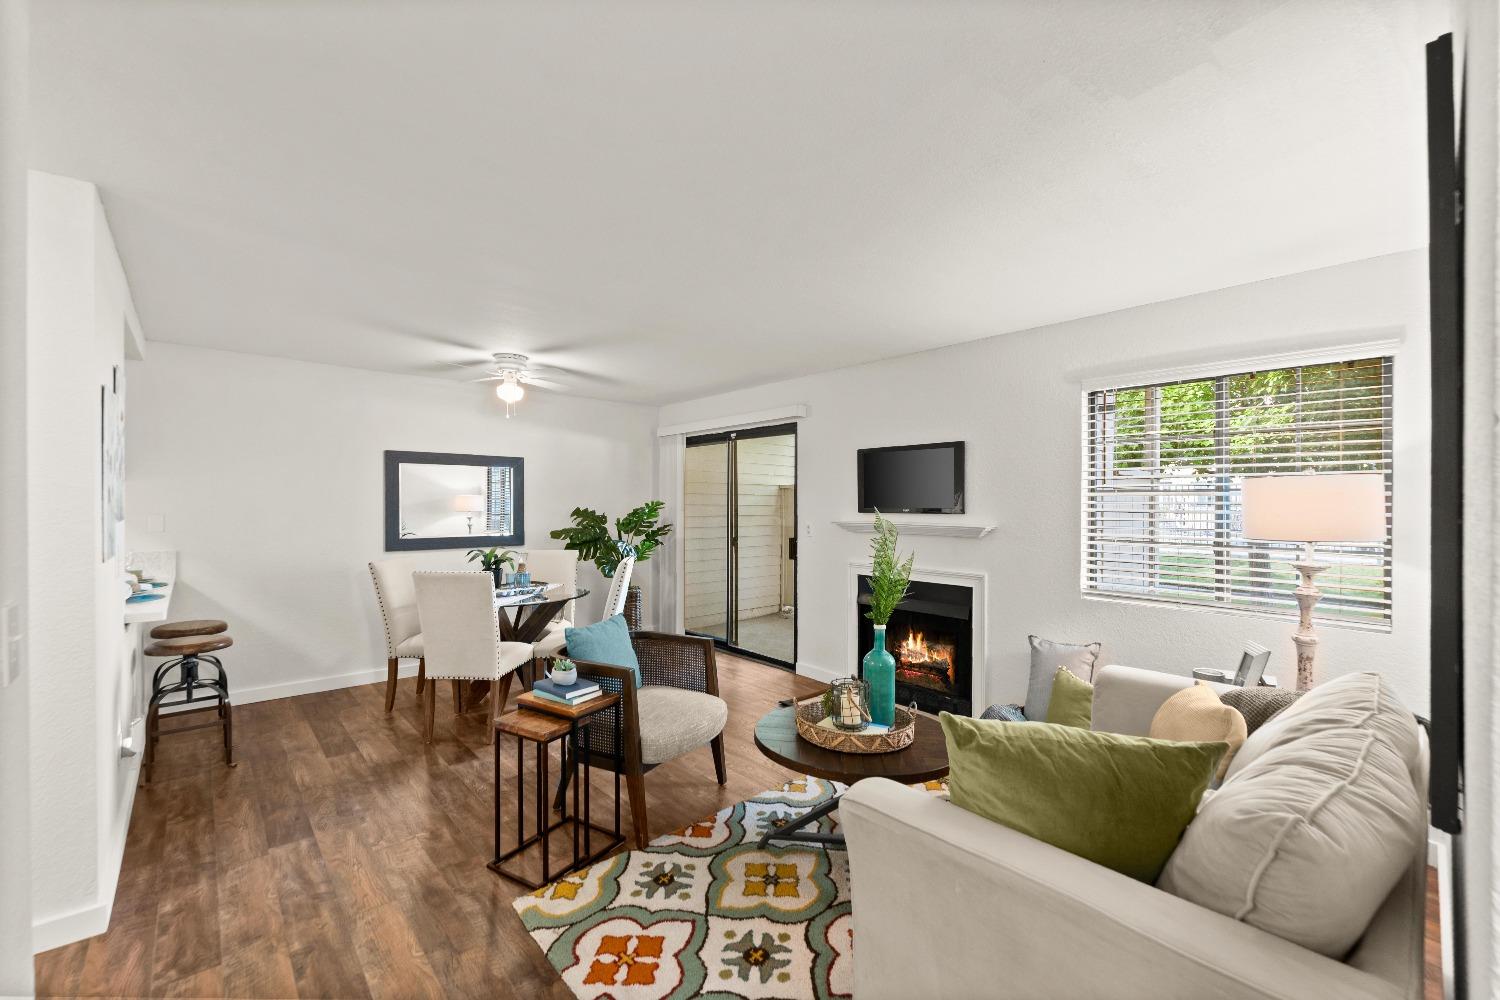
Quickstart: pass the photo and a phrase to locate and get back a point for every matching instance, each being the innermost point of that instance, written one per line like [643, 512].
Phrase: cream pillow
[1363, 701]
[1308, 835]
[1196, 715]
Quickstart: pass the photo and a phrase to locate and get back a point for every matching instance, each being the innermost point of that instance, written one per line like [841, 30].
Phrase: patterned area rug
[704, 912]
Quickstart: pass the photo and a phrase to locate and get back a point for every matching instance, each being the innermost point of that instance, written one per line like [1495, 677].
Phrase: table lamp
[470, 504]
[1326, 507]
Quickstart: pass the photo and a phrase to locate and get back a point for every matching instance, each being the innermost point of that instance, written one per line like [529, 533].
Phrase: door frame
[729, 642]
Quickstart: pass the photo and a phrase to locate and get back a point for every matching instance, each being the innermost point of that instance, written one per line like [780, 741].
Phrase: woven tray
[899, 737]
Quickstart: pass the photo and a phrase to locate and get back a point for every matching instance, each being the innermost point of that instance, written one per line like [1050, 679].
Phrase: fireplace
[931, 638]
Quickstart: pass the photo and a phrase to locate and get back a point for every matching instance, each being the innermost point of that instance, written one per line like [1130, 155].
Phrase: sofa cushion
[1072, 702]
[1363, 701]
[1196, 714]
[1119, 801]
[1046, 657]
[674, 721]
[1310, 832]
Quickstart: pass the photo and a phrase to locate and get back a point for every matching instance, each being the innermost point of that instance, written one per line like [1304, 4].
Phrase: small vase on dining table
[879, 669]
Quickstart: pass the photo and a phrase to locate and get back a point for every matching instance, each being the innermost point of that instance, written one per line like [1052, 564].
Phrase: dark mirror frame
[393, 540]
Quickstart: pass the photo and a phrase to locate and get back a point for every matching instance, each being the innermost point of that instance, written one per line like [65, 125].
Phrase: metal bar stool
[187, 654]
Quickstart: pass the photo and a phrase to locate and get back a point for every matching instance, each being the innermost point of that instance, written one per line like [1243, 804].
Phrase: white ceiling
[674, 198]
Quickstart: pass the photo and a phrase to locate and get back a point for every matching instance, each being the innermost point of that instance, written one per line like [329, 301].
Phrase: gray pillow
[1046, 657]
[1258, 704]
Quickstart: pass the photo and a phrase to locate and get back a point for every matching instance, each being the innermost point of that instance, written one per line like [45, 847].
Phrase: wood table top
[532, 725]
[926, 759]
[531, 702]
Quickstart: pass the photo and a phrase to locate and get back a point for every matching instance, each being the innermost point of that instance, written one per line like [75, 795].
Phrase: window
[498, 504]
[1161, 492]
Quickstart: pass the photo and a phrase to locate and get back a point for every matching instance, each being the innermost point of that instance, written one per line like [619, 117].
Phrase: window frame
[1221, 547]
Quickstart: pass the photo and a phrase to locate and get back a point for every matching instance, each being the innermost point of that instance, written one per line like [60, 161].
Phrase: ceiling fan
[512, 371]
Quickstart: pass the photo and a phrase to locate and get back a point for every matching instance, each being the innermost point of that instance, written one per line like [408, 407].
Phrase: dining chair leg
[637, 786]
[431, 713]
[720, 771]
[458, 698]
[390, 684]
[421, 674]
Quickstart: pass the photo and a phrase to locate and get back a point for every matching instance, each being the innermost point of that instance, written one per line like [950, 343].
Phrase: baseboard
[290, 689]
[55, 932]
[817, 673]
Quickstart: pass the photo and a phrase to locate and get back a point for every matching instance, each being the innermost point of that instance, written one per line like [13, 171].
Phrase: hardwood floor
[343, 858]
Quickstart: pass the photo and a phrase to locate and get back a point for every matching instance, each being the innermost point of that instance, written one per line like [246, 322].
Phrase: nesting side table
[540, 722]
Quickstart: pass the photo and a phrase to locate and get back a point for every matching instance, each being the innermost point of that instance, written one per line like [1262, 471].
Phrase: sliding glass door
[740, 538]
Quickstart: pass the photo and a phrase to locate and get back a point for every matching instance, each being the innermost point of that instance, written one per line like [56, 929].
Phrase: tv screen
[912, 479]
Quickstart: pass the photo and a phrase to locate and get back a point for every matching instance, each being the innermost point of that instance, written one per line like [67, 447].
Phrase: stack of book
[579, 691]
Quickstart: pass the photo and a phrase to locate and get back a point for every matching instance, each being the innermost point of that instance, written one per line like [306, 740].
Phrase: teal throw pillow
[605, 642]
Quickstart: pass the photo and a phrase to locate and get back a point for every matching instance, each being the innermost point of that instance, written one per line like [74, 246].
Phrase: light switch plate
[10, 644]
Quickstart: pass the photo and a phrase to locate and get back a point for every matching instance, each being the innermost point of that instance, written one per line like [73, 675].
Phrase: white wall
[15, 749]
[1477, 44]
[1016, 400]
[80, 321]
[268, 474]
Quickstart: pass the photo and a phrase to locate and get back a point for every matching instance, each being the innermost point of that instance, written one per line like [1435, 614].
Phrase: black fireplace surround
[931, 637]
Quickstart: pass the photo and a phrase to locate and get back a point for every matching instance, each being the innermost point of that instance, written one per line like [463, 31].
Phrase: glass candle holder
[850, 704]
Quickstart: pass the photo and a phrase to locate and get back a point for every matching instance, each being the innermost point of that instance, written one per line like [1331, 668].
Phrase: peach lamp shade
[469, 503]
[1327, 507]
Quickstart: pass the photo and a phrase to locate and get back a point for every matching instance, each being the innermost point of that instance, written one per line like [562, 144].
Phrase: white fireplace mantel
[951, 528]
[975, 580]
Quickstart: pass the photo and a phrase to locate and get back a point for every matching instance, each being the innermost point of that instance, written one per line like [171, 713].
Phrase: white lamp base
[1305, 639]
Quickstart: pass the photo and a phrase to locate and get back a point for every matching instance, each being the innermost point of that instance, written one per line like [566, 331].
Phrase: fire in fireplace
[924, 663]
[930, 635]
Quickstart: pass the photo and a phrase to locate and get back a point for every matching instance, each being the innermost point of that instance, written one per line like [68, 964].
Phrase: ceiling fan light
[510, 391]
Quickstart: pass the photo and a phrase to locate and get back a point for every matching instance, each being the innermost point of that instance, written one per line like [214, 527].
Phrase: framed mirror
[434, 500]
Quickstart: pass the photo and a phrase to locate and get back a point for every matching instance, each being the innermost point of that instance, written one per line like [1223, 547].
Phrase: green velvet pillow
[1119, 801]
[1072, 701]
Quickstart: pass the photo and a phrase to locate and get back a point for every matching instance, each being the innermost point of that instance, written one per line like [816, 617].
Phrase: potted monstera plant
[637, 534]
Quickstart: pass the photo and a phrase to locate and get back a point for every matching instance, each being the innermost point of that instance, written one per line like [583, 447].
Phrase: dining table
[524, 619]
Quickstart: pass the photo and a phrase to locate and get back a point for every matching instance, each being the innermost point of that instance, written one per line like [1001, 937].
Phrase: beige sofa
[948, 904]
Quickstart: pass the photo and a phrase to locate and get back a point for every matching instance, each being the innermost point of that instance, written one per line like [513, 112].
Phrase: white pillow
[1309, 835]
[1362, 701]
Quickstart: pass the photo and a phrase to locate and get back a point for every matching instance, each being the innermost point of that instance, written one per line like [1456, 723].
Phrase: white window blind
[498, 504]
[1161, 492]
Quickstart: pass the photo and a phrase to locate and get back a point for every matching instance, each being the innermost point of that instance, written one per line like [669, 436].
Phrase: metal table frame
[581, 822]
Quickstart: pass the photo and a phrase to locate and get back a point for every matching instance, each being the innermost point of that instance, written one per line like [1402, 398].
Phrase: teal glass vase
[880, 674]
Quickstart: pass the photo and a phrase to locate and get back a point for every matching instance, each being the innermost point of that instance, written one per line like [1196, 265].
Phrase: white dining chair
[461, 636]
[554, 566]
[398, 613]
[619, 587]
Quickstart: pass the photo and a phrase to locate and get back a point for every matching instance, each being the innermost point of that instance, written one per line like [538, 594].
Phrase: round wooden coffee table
[926, 759]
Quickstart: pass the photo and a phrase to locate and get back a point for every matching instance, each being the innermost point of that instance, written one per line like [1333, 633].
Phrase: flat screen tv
[912, 479]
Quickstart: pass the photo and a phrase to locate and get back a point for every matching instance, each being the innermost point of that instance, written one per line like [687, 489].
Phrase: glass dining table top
[555, 594]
